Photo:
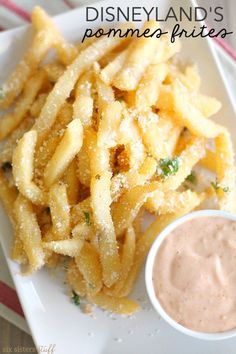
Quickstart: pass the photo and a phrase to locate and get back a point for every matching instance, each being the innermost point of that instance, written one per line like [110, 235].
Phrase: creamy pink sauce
[194, 274]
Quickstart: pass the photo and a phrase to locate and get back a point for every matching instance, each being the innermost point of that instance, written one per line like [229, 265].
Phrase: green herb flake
[218, 187]
[167, 167]
[76, 298]
[192, 178]
[225, 189]
[2, 95]
[215, 185]
[91, 286]
[87, 218]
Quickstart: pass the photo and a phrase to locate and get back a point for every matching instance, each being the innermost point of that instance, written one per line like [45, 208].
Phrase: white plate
[52, 318]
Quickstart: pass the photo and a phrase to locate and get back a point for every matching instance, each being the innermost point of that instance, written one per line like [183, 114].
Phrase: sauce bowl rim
[149, 271]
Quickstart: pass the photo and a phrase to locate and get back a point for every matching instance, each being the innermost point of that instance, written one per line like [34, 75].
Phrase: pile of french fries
[97, 136]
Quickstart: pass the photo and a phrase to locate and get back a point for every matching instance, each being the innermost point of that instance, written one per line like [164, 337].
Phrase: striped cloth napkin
[16, 13]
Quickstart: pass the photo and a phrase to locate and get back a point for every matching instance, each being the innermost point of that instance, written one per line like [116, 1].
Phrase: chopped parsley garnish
[215, 185]
[2, 95]
[87, 218]
[167, 167]
[91, 286]
[192, 178]
[76, 298]
[218, 187]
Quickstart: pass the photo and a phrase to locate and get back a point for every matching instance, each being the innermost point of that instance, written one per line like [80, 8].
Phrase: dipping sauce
[194, 274]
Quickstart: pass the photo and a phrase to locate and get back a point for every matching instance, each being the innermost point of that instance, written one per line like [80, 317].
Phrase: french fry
[18, 78]
[38, 104]
[82, 230]
[75, 279]
[72, 183]
[129, 135]
[46, 36]
[138, 222]
[140, 55]
[190, 156]
[99, 160]
[105, 94]
[127, 259]
[165, 100]
[44, 221]
[83, 104]
[17, 252]
[122, 306]
[23, 168]
[83, 109]
[148, 168]
[65, 152]
[209, 160]
[126, 208]
[225, 171]
[133, 178]
[154, 129]
[46, 150]
[66, 51]
[66, 82]
[53, 259]
[83, 158]
[189, 116]
[107, 135]
[89, 265]
[29, 232]
[84, 86]
[54, 70]
[148, 89]
[69, 248]
[170, 202]
[83, 45]
[11, 120]
[8, 195]
[10, 143]
[78, 211]
[60, 211]
[100, 202]
[108, 73]
[165, 49]
[207, 105]
[189, 77]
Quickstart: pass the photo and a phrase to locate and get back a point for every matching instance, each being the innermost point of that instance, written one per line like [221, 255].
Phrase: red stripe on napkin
[9, 298]
[10, 5]
[226, 47]
[68, 3]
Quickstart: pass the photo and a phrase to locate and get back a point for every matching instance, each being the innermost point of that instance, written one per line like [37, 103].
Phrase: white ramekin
[149, 271]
